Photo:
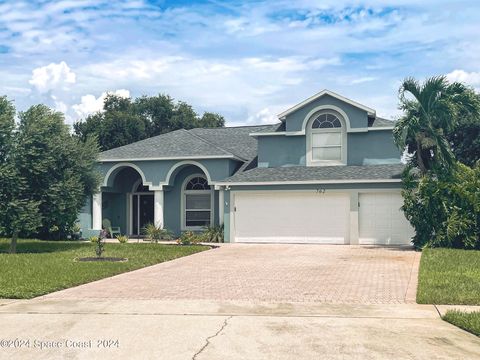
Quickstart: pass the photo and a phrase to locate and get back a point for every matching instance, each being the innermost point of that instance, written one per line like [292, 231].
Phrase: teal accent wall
[173, 200]
[358, 118]
[275, 151]
[372, 148]
[226, 217]
[363, 148]
[156, 171]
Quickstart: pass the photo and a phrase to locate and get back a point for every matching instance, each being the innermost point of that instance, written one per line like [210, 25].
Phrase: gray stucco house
[328, 172]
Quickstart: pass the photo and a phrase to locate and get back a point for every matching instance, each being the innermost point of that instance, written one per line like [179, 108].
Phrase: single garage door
[381, 221]
[291, 217]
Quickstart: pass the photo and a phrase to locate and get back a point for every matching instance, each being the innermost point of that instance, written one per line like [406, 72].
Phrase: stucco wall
[372, 148]
[274, 151]
[358, 118]
[172, 198]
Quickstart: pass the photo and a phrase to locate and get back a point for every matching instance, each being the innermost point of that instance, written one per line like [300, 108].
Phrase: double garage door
[308, 217]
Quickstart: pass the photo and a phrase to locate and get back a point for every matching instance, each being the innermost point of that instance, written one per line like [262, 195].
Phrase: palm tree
[430, 111]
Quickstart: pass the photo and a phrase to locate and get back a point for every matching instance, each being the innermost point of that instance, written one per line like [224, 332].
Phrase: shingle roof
[318, 173]
[232, 142]
[380, 122]
[235, 140]
[179, 143]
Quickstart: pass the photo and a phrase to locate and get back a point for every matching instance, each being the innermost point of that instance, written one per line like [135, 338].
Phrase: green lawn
[466, 321]
[41, 267]
[449, 276]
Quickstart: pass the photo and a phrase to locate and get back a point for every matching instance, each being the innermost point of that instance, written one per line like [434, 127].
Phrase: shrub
[122, 239]
[444, 208]
[93, 239]
[156, 233]
[188, 238]
[213, 234]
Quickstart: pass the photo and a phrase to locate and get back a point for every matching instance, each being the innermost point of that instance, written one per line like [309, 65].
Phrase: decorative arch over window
[326, 139]
[326, 121]
[198, 183]
[197, 203]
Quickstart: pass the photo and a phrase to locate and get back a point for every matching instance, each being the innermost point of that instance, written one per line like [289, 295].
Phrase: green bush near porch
[41, 267]
[449, 276]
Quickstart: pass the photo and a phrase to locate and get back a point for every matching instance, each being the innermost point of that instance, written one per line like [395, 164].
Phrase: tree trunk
[421, 164]
[13, 243]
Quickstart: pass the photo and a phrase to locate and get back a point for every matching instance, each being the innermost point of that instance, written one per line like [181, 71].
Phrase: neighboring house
[327, 173]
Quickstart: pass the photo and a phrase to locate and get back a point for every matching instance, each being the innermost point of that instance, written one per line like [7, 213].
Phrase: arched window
[326, 140]
[197, 203]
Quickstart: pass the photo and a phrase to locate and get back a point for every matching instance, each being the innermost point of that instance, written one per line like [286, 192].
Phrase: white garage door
[381, 221]
[291, 217]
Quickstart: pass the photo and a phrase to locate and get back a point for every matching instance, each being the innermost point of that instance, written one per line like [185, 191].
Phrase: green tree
[465, 136]
[124, 121]
[18, 212]
[59, 170]
[211, 120]
[431, 110]
[444, 208]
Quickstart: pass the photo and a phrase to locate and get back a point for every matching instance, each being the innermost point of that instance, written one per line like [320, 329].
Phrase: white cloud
[469, 78]
[264, 116]
[363, 80]
[52, 77]
[90, 104]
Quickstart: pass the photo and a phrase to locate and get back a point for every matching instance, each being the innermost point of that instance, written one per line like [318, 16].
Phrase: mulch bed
[102, 259]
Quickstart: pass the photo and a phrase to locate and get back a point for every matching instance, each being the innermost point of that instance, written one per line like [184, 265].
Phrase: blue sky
[248, 60]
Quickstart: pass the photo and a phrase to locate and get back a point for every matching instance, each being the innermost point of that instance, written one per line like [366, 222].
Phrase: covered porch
[186, 200]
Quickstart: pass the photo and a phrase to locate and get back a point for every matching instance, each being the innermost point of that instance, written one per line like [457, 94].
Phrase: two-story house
[328, 172]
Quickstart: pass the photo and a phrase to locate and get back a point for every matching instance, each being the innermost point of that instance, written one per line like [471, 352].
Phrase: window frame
[184, 209]
[312, 131]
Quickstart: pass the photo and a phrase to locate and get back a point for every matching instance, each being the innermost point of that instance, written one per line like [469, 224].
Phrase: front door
[142, 212]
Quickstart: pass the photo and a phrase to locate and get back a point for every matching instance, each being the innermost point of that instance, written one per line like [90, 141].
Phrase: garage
[381, 222]
[291, 217]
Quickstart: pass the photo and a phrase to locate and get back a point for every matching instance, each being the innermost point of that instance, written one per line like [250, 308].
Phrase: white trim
[283, 133]
[311, 182]
[183, 193]
[172, 158]
[381, 128]
[282, 115]
[221, 206]
[181, 163]
[97, 211]
[158, 208]
[125, 164]
[343, 142]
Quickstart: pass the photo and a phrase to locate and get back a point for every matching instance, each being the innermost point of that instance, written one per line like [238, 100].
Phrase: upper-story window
[326, 140]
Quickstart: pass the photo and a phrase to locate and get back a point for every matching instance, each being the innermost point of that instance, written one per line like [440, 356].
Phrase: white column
[221, 206]
[97, 211]
[158, 208]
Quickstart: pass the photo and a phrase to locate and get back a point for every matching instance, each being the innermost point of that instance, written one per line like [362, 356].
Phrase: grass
[41, 267]
[449, 276]
[464, 320]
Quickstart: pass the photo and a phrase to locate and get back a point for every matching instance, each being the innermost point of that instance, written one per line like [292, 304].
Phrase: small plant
[122, 239]
[156, 233]
[100, 243]
[189, 238]
[93, 239]
[76, 231]
[213, 234]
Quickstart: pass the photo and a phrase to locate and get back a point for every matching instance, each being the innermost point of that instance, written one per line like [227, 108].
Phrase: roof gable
[283, 115]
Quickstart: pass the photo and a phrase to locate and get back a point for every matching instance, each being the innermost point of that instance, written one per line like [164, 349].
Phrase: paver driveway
[273, 273]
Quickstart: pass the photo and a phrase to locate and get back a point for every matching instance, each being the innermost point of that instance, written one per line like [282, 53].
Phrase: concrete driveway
[270, 273]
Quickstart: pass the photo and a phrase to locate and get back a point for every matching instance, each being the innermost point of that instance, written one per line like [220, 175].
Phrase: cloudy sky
[248, 60]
